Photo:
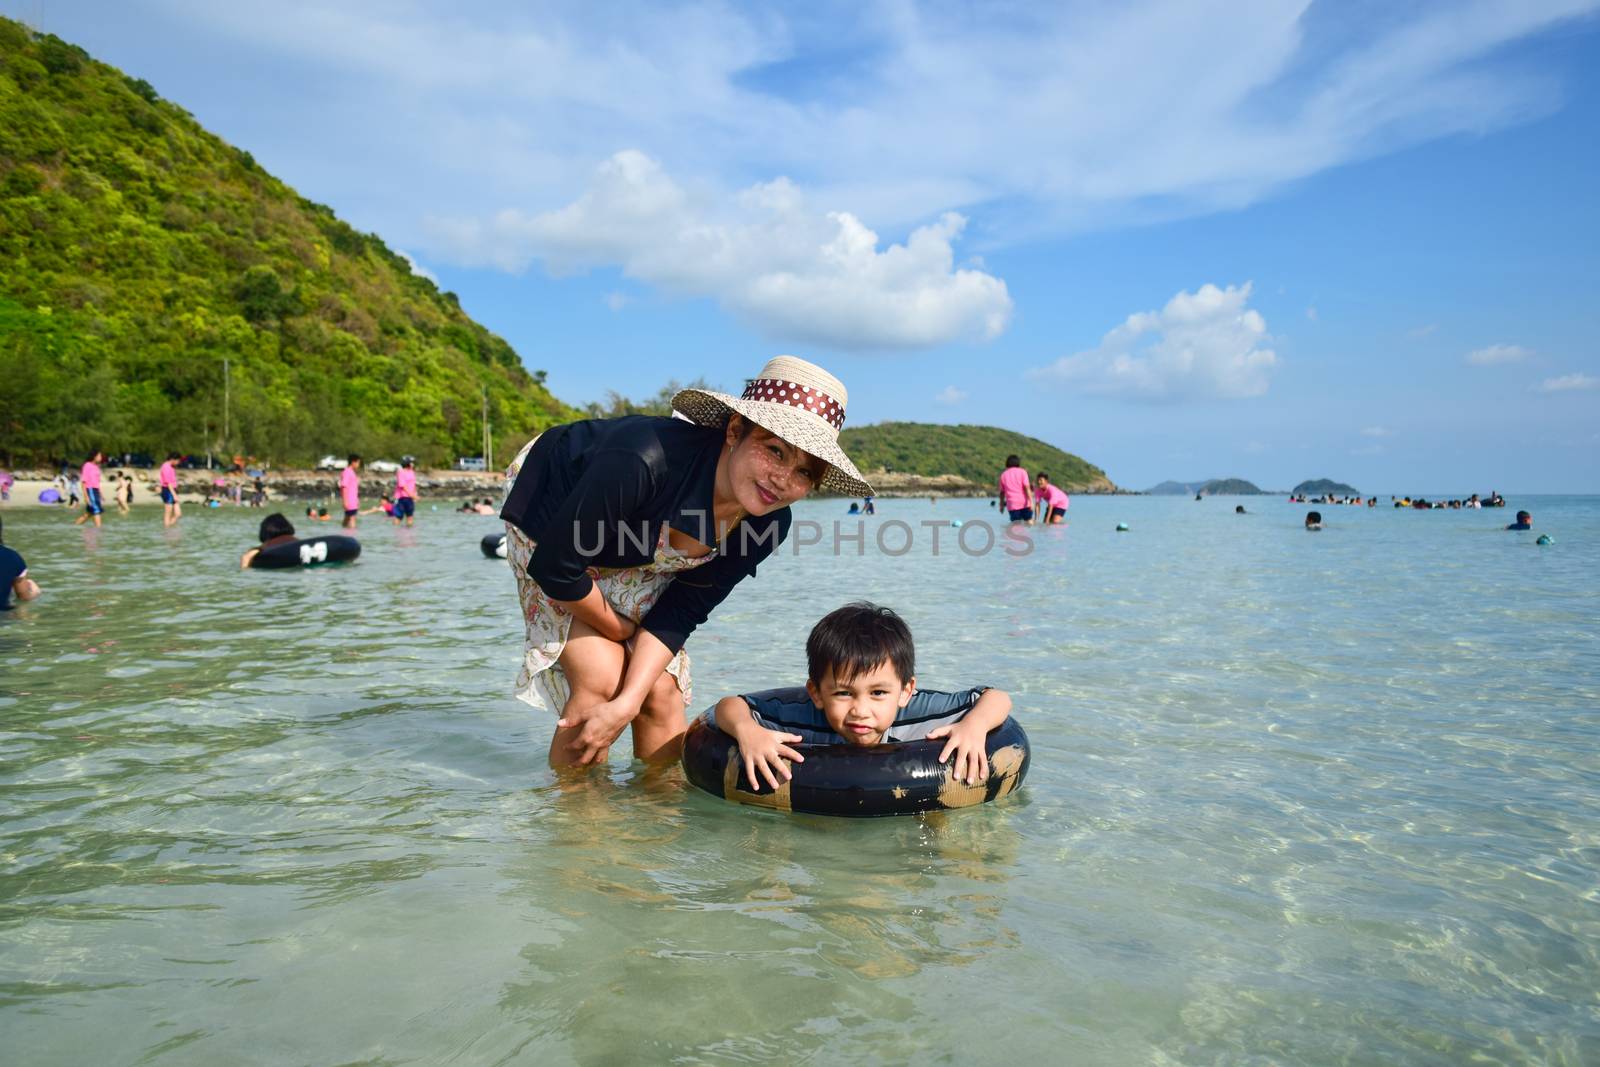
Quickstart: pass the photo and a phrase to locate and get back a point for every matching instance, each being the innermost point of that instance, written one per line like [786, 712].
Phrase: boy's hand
[766, 749]
[968, 742]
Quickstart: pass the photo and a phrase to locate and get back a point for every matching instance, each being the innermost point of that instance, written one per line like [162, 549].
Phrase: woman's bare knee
[593, 665]
[665, 699]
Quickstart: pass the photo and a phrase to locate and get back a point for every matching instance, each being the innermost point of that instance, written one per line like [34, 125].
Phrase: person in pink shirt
[1053, 503]
[1014, 491]
[93, 508]
[405, 491]
[167, 480]
[350, 489]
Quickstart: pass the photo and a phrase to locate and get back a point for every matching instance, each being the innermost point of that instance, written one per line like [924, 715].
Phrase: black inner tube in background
[493, 545]
[308, 552]
[858, 781]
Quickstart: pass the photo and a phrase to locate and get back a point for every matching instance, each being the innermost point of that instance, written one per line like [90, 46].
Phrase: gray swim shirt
[791, 711]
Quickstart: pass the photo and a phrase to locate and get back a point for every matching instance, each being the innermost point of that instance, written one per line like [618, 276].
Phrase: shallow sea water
[1295, 798]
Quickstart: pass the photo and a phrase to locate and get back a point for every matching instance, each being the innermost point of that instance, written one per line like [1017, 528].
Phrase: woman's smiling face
[765, 472]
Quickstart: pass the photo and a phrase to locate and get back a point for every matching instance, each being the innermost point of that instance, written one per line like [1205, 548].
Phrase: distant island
[1213, 487]
[1324, 487]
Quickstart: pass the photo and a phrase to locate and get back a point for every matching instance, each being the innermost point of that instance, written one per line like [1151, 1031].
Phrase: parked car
[192, 463]
[138, 460]
[383, 466]
[332, 463]
[470, 463]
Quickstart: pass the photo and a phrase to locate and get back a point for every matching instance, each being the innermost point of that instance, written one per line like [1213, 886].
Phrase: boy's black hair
[1523, 516]
[1313, 517]
[275, 525]
[1041, 474]
[1013, 460]
[172, 456]
[355, 457]
[856, 638]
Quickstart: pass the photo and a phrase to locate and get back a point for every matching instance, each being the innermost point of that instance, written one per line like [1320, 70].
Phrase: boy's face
[861, 709]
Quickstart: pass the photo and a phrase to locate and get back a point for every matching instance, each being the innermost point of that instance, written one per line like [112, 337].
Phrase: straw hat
[798, 401]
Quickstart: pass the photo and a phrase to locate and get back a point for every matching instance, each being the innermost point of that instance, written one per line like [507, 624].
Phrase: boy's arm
[967, 739]
[758, 746]
[990, 710]
[25, 588]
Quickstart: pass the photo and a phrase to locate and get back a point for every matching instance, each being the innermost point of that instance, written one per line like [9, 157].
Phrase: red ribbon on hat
[804, 397]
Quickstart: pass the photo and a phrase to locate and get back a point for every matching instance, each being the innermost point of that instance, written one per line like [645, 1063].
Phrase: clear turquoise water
[1295, 798]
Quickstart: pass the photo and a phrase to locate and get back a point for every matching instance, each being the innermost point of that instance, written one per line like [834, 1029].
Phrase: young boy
[862, 690]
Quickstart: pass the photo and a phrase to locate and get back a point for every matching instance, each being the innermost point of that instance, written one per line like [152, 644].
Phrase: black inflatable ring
[859, 781]
[308, 552]
[493, 545]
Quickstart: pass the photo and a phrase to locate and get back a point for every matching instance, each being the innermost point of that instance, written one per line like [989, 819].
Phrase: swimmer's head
[1313, 520]
[860, 661]
[276, 525]
[1523, 516]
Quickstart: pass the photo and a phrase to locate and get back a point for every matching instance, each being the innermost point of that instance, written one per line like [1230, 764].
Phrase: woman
[625, 534]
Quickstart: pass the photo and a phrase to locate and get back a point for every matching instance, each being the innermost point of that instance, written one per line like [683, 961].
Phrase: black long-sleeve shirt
[596, 493]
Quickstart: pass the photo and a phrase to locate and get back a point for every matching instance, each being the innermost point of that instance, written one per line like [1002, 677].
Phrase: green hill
[975, 453]
[1230, 487]
[1213, 487]
[1323, 487]
[138, 252]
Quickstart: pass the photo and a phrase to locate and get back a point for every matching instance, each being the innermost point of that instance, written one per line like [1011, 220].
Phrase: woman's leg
[593, 666]
[658, 731]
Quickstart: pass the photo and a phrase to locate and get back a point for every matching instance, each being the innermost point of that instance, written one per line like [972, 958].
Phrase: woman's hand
[968, 742]
[598, 726]
[766, 749]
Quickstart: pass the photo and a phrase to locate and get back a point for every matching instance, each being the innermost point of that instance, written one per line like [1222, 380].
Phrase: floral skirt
[631, 592]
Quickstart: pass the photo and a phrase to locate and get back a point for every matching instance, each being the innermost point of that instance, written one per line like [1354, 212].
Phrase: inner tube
[493, 545]
[308, 552]
[858, 781]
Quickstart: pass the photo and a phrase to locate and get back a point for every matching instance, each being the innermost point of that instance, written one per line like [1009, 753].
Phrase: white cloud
[1376, 431]
[416, 268]
[617, 301]
[1205, 344]
[950, 395]
[1568, 383]
[1492, 355]
[1311, 313]
[1422, 331]
[1067, 115]
[794, 272]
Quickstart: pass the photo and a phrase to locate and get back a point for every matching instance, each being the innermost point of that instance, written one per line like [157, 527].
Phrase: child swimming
[861, 690]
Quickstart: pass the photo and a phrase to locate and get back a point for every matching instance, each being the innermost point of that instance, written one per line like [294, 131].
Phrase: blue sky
[1259, 239]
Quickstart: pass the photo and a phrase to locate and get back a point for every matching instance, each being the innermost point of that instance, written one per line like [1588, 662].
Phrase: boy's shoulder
[929, 709]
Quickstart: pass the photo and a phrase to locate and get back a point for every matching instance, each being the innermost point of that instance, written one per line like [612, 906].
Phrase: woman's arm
[597, 612]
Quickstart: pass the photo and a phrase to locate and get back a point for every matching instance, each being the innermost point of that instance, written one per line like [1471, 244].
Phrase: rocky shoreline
[446, 485]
